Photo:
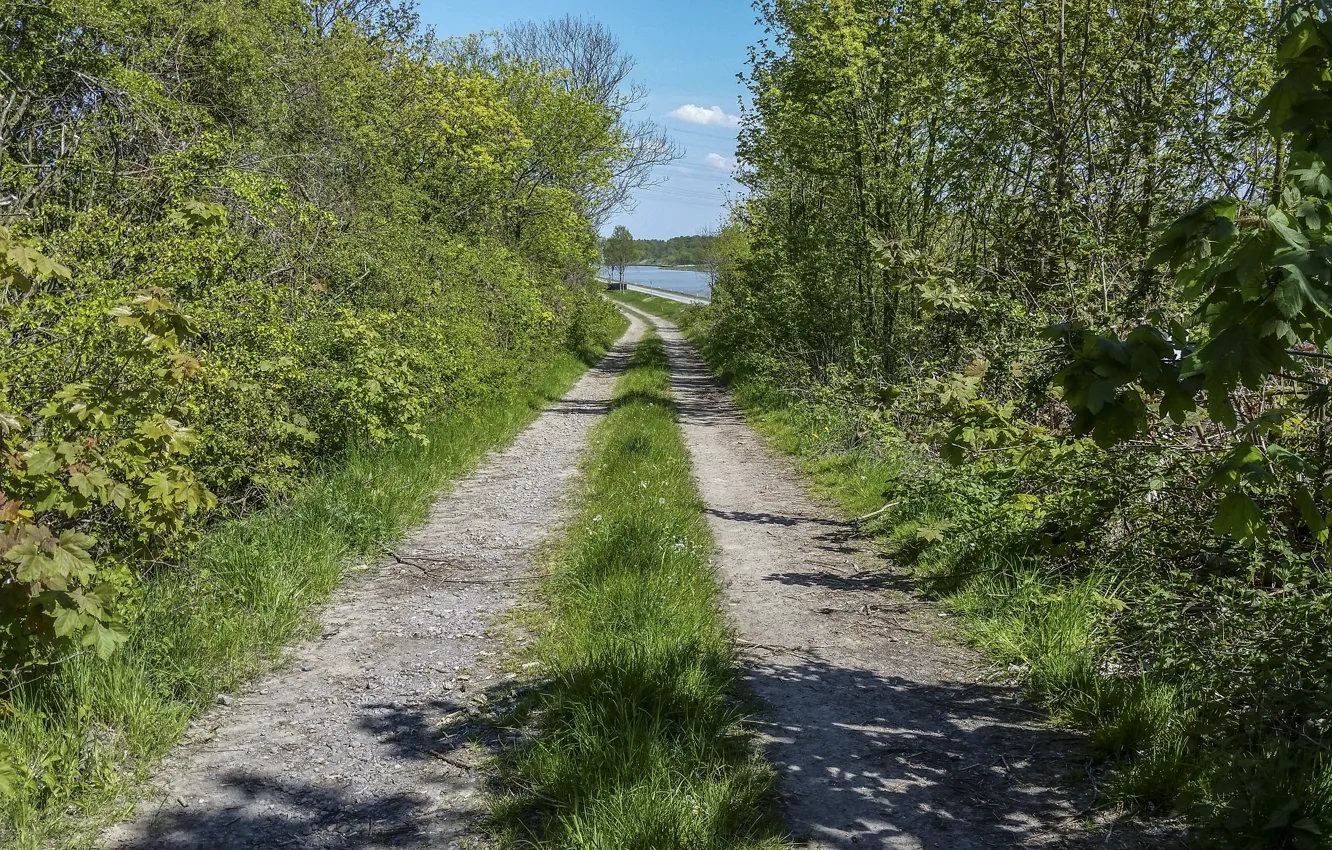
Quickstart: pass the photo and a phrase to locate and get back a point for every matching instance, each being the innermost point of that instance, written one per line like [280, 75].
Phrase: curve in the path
[882, 733]
[667, 294]
[663, 293]
[343, 748]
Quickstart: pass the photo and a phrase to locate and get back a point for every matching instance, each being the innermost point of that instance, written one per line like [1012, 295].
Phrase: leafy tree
[618, 250]
[676, 251]
[589, 61]
[1063, 265]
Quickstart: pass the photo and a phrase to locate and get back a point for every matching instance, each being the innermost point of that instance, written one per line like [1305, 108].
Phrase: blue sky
[688, 55]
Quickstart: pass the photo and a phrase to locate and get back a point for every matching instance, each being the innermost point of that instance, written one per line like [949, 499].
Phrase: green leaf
[1313, 518]
[67, 622]
[81, 484]
[1289, 235]
[1292, 293]
[104, 639]
[1289, 460]
[10, 777]
[160, 486]
[120, 495]
[1099, 394]
[1281, 817]
[89, 603]
[1307, 825]
[1300, 40]
[42, 461]
[934, 532]
[1239, 517]
[1177, 403]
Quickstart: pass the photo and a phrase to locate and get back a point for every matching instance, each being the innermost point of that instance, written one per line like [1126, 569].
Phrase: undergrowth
[94, 729]
[637, 739]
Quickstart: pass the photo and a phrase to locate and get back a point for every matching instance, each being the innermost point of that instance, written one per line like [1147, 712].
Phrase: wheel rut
[343, 748]
[882, 729]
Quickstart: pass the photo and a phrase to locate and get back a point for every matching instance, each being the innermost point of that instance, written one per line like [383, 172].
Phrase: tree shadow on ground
[896, 764]
[578, 407]
[615, 362]
[273, 809]
[838, 581]
[698, 399]
[772, 519]
[887, 761]
[275, 812]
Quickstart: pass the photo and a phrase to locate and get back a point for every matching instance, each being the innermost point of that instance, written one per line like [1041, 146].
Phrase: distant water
[675, 280]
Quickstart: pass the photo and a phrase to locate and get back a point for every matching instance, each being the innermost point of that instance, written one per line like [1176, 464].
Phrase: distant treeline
[678, 251]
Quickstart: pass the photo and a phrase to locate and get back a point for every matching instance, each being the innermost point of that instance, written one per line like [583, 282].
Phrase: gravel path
[880, 727]
[347, 747]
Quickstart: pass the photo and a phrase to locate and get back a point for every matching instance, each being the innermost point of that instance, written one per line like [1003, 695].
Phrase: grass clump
[637, 739]
[92, 730]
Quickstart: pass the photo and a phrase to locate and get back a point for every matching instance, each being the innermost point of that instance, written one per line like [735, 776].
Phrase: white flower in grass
[597, 518]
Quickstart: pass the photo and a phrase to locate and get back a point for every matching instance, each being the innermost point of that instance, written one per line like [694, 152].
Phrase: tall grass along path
[880, 727]
[342, 750]
[634, 738]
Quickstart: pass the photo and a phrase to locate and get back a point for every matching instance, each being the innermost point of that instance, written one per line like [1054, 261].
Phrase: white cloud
[712, 116]
[716, 160]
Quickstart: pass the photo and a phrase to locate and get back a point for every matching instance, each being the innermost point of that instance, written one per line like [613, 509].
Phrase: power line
[685, 193]
[734, 138]
[692, 170]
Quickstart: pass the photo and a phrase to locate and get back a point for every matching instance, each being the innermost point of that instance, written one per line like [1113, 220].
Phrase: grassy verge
[672, 311]
[637, 739]
[91, 731]
[1102, 637]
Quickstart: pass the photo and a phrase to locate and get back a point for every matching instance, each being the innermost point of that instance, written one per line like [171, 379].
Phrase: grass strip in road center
[637, 739]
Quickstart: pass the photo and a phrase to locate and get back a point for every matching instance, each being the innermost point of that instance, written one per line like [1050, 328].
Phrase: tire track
[881, 729]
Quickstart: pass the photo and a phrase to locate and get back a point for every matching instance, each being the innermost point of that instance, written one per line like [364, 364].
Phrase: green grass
[1023, 618]
[90, 732]
[637, 739]
[1053, 628]
[672, 311]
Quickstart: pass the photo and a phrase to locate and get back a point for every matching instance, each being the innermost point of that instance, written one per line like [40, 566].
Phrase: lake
[675, 280]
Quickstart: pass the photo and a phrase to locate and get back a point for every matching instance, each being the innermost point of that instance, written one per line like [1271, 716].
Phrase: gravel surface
[363, 741]
[881, 726]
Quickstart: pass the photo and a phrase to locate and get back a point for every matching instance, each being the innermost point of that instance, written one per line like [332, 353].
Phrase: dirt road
[342, 749]
[880, 727]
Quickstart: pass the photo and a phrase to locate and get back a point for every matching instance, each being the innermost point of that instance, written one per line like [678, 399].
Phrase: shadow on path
[371, 743]
[336, 812]
[869, 760]
[773, 519]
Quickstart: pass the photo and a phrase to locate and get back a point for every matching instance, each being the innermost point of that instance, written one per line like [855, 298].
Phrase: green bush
[237, 240]
[1080, 389]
